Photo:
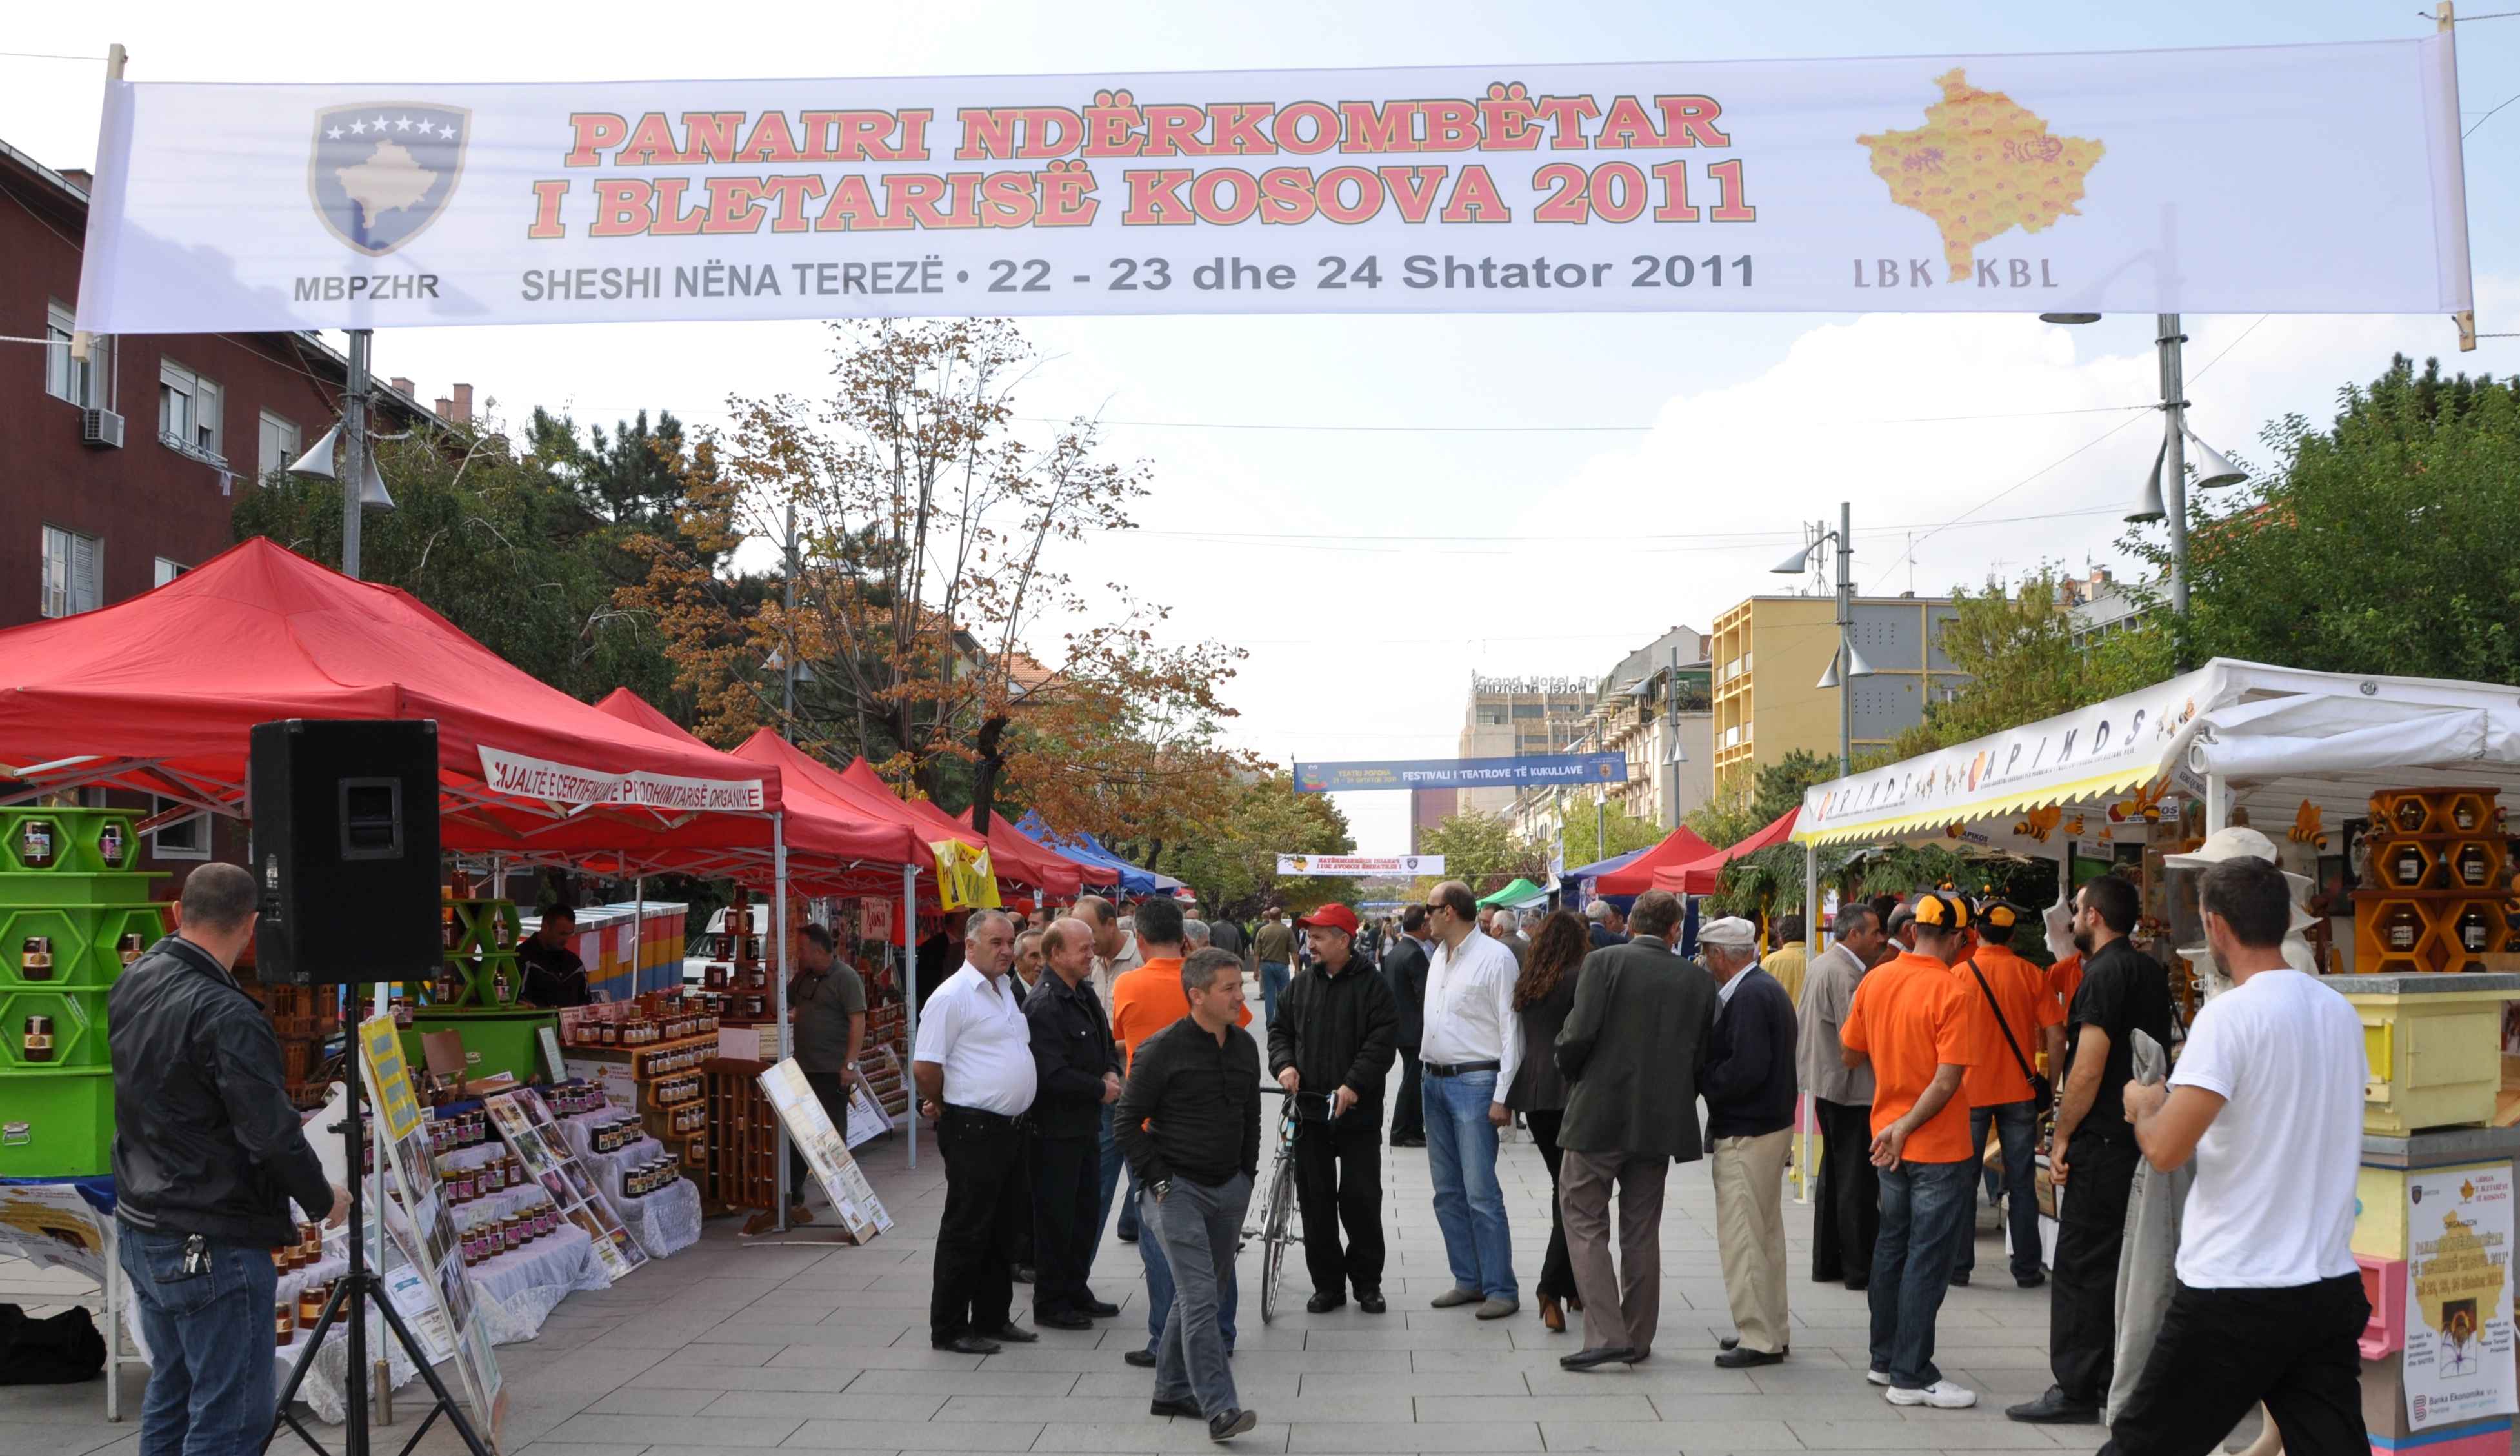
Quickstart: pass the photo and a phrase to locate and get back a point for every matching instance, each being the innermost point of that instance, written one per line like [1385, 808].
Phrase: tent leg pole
[639, 936]
[2217, 803]
[910, 994]
[778, 992]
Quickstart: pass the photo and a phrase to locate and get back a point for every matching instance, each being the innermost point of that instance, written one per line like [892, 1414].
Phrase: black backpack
[55, 1352]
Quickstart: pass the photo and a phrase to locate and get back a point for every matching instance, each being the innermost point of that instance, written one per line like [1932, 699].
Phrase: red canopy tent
[1637, 876]
[159, 693]
[1698, 876]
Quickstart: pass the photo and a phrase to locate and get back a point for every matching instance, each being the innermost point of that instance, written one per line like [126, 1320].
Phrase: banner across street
[1360, 865]
[2124, 181]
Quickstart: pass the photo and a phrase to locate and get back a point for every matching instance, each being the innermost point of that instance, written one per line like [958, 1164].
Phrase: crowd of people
[1067, 1057]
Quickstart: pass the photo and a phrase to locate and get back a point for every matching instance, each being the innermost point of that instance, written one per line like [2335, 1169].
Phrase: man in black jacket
[208, 1153]
[1189, 1122]
[1333, 1043]
[1749, 1088]
[1404, 969]
[1080, 1074]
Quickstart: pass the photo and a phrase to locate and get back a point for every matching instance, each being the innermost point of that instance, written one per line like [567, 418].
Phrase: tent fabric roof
[159, 693]
[1103, 867]
[1678, 848]
[2279, 737]
[1519, 892]
[1010, 853]
[1698, 876]
[1602, 866]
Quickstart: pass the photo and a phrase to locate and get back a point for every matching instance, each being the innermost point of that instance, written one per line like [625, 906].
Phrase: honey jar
[310, 1304]
[38, 1044]
[110, 843]
[36, 844]
[129, 948]
[310, 1242]
[35, 958]
[284, 1322]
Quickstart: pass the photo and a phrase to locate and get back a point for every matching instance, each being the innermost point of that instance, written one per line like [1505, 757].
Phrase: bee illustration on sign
[379, 173]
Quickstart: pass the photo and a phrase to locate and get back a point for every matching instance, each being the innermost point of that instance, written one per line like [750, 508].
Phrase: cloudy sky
[1531, 494]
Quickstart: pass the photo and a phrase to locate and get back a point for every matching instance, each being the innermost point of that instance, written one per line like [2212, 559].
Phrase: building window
[276, 445]
[188, 838]
[168, 570]
[188, 411]
[65, 378]
[73, 565]
[1528, 710]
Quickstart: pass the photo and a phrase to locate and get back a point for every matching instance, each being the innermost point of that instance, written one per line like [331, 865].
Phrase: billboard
[1538, 770]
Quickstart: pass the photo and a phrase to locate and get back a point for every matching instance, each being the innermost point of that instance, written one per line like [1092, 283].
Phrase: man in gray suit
[1630, 1049]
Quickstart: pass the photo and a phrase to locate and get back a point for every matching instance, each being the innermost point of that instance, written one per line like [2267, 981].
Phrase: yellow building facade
[1770, 653]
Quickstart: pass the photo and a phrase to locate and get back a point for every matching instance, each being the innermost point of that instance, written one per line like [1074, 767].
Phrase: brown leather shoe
[1552, 1315]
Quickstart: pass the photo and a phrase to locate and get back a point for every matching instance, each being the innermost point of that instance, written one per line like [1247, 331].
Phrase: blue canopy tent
[1133, 880]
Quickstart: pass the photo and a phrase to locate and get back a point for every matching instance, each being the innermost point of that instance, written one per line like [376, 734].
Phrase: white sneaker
[1941, 1396]
[1877, 1376]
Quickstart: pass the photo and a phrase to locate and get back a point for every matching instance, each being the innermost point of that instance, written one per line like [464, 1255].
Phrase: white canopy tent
[2229, 734]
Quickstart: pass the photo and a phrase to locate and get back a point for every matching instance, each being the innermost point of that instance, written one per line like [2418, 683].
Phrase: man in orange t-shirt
[1997, 981]
[1143, 1001]
[1911, 1021]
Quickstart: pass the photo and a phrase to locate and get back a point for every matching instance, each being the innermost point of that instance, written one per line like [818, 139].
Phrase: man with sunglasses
[1467, 1051]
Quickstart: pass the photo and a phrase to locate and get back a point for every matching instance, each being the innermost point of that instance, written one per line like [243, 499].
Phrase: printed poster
[527, 1127]
[862, 1213]
[2459, 1348]
[49, 1223]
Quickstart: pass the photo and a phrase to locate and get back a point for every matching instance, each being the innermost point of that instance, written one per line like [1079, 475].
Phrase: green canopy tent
[1516, 896]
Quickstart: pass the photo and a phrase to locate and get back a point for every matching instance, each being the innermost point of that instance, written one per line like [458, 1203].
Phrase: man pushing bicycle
[1337, 1032]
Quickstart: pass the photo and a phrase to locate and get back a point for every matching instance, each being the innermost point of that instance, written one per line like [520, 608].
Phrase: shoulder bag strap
[2018, 1060]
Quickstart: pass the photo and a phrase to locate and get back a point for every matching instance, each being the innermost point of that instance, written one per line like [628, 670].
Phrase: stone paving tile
[64, 1438]
[1601, 1406]
[988, 1380]
[918, 1435]
[1416, 1435]
[871, 1357]
[722, 1378]
[1685, 1436]
[726, 1430]
[1922, 1435]
[827, 1405]
[1162, 1435]
[651, 1401]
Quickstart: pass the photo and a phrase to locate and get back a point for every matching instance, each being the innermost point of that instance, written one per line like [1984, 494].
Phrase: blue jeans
[1923, 1204]
[2016, 1125]
[210, 1341]
[1112, 1163]
[1274, 976]
[1469, 1204]
[1160, 1284]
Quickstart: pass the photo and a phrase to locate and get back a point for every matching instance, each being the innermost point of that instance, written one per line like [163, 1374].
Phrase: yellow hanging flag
[964, 878]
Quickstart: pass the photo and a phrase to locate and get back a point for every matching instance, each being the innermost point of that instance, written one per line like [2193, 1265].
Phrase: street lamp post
[1849, 665]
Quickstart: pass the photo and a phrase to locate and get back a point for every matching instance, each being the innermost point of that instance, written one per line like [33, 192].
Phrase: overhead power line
[1273, 426]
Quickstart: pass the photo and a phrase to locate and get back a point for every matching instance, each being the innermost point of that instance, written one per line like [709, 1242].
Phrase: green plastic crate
[57, 1125]
[82, 842]
[494, 1041]
[76, 887]
[78, 1032]
[87, 942]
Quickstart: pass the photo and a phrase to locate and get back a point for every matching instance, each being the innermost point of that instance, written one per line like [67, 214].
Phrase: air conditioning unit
[100, 427]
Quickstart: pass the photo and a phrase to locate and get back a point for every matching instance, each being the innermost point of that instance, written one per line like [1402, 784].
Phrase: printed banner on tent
[563, 783]
[964, 879]
[2128, 181]
[1462, 773]
[1360, 864]
[2459, 1322]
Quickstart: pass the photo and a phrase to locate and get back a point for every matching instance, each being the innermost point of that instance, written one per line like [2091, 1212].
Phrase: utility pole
[2173, 465]
[787, 615]
[1846, 638]
[1671, 740]
[354, 448]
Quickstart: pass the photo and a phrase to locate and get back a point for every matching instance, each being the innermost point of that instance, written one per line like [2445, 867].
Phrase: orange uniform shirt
[2065, 977]
[1147, 1000]
[2030, 1008]
[1909, 1018]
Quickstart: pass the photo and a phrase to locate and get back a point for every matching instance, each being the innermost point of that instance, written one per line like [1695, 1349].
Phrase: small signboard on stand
[862, 1214]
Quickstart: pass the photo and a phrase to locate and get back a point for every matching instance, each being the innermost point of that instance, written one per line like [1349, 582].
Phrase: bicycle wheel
[1277, 1233]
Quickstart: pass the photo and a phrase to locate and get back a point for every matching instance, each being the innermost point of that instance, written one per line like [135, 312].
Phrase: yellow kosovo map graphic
[1981, 165]
[2461, 1287]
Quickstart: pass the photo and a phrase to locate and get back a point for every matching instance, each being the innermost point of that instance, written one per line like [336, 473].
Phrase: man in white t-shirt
[2268, 1098]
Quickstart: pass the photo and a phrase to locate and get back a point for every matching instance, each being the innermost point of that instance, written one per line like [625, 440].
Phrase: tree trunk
[984, 775]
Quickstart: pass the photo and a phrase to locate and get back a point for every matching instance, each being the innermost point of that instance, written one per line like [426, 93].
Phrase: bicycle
[1279, 1228]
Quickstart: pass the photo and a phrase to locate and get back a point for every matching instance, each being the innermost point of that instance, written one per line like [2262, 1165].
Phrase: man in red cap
[1330, 1046]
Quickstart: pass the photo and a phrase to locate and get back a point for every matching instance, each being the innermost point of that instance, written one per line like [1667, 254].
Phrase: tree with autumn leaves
[920, 597]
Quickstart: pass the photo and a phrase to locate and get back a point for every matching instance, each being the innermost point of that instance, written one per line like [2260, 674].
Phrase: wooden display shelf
[743, 1152]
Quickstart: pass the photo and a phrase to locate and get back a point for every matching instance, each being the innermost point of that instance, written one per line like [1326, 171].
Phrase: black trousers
[1409, 1108]
[2091, 1231]
[1339, 1183]
[1066, 1195]
[2222, 1350]
[986, 1207]
[834, 1094]
[1846, 1219]
[1556, 1271]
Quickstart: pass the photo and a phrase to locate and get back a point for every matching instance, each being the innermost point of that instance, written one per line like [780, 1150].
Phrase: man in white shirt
[1467, 1053]
[976, 1079]
[2268, 1098]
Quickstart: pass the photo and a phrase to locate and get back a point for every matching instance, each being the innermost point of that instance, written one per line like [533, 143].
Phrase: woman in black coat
[1544, 994]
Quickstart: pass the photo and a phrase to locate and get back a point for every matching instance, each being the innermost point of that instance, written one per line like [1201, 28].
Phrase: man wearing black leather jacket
[208, 1152]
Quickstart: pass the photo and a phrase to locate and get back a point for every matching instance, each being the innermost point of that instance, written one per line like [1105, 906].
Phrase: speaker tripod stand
[350, 1301]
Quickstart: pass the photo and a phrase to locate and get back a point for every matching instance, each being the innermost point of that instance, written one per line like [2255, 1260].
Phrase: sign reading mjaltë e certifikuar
[2308, 178]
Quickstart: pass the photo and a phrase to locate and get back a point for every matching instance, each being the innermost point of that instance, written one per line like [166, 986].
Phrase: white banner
[2305, 178]
[1360, 864]
[563, 783]
[2458, 1359]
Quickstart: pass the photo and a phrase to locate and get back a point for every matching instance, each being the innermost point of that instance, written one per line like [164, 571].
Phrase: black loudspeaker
[345, 846]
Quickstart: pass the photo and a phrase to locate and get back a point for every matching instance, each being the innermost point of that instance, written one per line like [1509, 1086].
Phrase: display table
[663, 1222]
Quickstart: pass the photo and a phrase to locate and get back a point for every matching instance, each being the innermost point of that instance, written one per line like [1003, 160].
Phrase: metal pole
[1600, 840]
[787, 658]
[2174, 467]
[354, 448]
[910, 995]
[639, 936]
[1845, 639]
[779, 991]
[1671, 740]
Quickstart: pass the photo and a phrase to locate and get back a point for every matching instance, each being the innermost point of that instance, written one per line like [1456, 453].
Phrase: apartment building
[1769, 654]
[1520, 717]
